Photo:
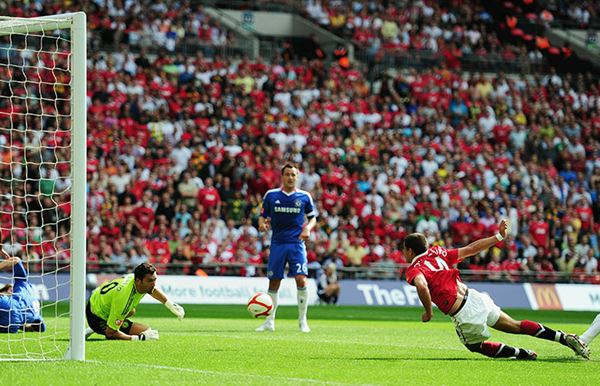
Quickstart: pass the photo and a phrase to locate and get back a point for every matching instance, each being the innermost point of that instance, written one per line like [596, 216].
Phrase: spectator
[511, 267]
[428, 225]
[376, 161]
[385, 268]
[494, 267]
[356, 252]
[328, 287]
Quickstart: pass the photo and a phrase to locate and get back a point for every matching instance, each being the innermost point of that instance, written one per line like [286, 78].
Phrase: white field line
[225, 373]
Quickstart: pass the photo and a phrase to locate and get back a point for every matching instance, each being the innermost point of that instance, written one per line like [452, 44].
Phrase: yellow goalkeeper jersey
[113, 300]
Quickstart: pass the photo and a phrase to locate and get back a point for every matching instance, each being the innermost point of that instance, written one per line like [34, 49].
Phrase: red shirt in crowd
[459, 229]
[477, 231]
[145, 217]
[586, 215]
[209, 197]
[511, 266]
[539, 233]
[494, 269]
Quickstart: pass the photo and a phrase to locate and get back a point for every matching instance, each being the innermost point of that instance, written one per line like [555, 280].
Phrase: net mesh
[36, 177]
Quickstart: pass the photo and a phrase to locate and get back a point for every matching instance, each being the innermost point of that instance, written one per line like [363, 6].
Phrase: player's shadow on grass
[87, 340]
[179, 331]
[562, 360]
[395, 359]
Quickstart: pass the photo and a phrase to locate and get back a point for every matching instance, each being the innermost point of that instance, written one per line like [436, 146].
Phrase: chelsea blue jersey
[22, 306]
[287, 211]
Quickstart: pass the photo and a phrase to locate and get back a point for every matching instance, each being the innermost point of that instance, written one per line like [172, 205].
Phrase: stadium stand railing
[370, 272]
[422, 59]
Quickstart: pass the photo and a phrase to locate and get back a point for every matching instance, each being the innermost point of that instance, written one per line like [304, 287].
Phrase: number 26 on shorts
[301, 268]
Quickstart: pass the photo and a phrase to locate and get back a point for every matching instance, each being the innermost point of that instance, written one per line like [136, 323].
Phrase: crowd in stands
[181, 150]
[583, 12]
[126, 24]
[454, 29]
[179, 160]
[468, 34]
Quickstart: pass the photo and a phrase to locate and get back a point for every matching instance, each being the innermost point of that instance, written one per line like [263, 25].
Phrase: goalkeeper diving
[19, 302]
[114, 302]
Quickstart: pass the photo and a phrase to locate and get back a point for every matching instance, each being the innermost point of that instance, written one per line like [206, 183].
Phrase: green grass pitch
[348, 345]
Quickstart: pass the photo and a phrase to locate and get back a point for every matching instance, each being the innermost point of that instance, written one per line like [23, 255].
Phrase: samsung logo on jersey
[283, 209]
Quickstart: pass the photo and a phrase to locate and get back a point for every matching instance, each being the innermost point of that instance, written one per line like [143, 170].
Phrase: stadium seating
[471, 149]
[181, 150]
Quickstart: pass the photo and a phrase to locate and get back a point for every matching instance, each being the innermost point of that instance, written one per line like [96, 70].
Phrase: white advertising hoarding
[579, 297]
[226, 290]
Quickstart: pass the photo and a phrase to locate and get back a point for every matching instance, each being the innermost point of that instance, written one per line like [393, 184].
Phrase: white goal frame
[76, 23]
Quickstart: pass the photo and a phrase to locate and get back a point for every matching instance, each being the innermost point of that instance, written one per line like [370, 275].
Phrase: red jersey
[208, 197]
[586, 215]
[539, 233]
[437, 265]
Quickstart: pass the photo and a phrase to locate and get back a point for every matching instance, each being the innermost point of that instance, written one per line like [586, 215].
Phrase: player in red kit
[437, 280]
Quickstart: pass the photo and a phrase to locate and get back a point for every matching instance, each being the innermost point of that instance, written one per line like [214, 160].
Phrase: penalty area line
[223, 373]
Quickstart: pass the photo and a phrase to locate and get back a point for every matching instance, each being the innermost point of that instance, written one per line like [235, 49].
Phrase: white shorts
[472, 321]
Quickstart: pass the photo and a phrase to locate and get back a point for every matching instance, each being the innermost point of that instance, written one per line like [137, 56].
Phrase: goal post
[79, 157]
[43, 130]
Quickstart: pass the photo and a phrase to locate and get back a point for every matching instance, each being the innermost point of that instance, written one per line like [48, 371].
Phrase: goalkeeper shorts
[99, 325]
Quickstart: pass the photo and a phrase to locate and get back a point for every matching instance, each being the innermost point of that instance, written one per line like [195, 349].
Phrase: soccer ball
[260, 305]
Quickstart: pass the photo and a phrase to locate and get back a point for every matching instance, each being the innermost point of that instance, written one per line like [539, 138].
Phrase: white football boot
[303, 324]
[575, 344]
[268, 325]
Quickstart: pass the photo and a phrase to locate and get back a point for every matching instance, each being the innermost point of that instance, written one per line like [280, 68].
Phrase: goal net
[42, 185]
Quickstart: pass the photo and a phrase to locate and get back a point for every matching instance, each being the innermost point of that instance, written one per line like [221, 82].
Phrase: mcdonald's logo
[546, 297]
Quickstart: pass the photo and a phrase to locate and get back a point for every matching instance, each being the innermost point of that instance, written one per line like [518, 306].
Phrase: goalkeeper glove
[176, 309]
[149, 334]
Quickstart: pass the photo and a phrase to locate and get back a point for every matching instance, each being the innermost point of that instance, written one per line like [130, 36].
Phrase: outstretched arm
[15, 263]
[9, 263]
[484, 244]
[175, 308]
[421, 283]
[159, 295]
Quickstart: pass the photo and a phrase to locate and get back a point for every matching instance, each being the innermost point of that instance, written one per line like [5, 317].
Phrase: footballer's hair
[5, 290]
[143, 269]
[416, 242]
[288, 165]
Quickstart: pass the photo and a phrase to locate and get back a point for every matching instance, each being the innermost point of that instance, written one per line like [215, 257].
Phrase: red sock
[530, 328]
[490, 349]
[540, 331]
[499, 350]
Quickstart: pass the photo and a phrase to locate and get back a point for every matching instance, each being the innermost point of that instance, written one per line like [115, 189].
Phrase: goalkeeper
[112, 303]
[19, 302]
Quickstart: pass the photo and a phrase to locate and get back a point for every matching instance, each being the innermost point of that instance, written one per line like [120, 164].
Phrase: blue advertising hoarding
[400, 293]
[51, 287]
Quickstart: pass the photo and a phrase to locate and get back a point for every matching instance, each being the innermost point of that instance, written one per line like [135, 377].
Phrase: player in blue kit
[284, 210]
[19, 302]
